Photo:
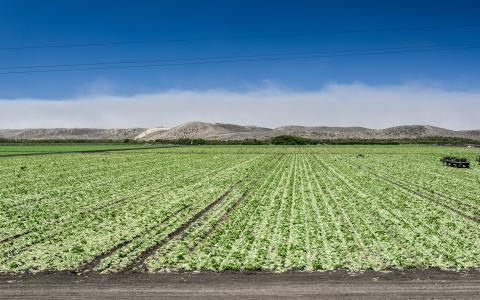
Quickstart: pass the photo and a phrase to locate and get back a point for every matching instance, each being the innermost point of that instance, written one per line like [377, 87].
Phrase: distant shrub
[290, 140]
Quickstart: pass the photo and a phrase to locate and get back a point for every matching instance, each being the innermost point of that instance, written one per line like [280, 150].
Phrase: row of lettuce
[236, 211]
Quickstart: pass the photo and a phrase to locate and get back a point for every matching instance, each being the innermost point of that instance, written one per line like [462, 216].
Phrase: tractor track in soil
[424, 189]
[224, 217]
[139, 262]
[26, 247]
[91, 265]
[108, 204]
[439, 194]
[404, 185]
[81, 212]
[435, 193]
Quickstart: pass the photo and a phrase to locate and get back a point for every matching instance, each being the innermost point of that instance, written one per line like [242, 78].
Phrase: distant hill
[220, 131]
[70, 134]
[323, 132]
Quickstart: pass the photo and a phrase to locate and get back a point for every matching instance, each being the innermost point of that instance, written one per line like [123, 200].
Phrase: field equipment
[360, 155]
[478, 159]
[455, 162]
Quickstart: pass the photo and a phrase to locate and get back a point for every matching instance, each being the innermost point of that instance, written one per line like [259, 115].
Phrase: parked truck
[455, 162]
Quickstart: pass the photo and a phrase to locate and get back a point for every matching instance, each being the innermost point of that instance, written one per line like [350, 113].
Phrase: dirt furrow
[434, 192]
[139, 262]
[224, 217]
[95, 209]
[405, 186]
[90, 266]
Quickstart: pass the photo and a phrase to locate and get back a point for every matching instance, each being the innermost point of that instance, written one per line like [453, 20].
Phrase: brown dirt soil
[397, 284]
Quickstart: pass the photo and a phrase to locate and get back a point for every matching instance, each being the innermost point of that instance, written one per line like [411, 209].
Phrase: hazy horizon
[312, 63]
[335, 105]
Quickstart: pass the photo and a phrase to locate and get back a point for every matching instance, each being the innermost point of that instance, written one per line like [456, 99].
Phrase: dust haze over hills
[221, 131]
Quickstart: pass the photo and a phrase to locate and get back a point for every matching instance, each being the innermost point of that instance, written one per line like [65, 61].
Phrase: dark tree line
[278, 140]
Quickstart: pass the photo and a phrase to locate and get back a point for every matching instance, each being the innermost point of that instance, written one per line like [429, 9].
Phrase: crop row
[64, 200]
[64, 246]
[321, 212]
[288, 210]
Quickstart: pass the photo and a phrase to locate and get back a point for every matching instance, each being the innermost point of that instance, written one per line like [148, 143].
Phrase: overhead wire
[131, 61]
[247, 58]
[217, 38]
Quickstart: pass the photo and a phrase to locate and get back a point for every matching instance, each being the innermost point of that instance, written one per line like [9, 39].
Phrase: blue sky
[27, 23]
[43, 23]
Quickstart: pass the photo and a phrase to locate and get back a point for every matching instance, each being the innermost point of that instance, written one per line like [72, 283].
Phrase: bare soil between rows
[341, 284]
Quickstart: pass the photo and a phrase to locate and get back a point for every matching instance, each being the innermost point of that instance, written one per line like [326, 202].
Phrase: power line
[217, 38]
[264, 57]
[225, 57]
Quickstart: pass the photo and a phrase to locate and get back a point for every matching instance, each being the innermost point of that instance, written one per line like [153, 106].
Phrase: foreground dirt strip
[411, 284]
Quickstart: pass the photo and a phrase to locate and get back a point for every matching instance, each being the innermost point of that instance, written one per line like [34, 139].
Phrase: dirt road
[409, 284]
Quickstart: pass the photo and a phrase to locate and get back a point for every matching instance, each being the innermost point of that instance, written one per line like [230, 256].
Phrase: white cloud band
[335, 105]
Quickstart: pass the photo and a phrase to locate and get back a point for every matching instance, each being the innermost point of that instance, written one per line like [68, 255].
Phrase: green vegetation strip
[33, 150]
[217, 208]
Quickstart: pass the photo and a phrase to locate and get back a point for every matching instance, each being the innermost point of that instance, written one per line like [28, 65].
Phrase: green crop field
[240, 208]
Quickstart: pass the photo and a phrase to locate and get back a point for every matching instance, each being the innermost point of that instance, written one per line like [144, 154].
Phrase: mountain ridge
[224, 131]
